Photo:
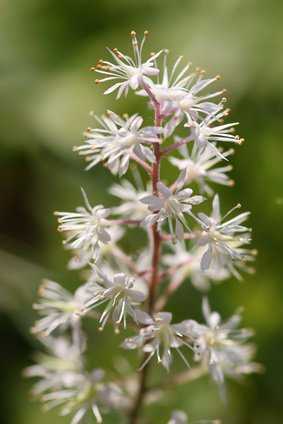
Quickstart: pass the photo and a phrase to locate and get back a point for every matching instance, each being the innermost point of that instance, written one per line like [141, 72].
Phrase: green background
[46, 94]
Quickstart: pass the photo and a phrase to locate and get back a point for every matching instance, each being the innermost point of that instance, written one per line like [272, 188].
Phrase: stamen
[238, 206]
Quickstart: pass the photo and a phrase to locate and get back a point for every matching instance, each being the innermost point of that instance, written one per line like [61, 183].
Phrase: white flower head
[171, 204]
[60, 366]
[86, 229]
[120, 296]
[88, 394]
[64, 383]
[178, 417]
[58, 307]
[206, 134]
[224, 239]
[127, 72]
[179, 92]
[186, 264]
[117, 140]
[131, 207]
[221, 345]
[83, 258]
[199, 165]
[159, 338]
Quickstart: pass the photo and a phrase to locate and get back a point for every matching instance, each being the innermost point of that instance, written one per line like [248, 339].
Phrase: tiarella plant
[185, 243]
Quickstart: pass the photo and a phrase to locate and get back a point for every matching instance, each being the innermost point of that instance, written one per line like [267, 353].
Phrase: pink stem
[156, 237]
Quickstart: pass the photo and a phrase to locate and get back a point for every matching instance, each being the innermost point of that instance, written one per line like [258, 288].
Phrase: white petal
[206, 259]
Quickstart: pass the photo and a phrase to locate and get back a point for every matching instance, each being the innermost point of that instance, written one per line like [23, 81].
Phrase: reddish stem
[155, 235]
[156, 244]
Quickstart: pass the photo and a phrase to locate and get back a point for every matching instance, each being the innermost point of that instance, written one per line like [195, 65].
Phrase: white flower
[64, 383]
[117, 140]
[131, 207]
[88, 394]
[159, 338]
[121, 297]
[220, 345]
[58, 307]
[179, 92]
[82, 258]
[60, 366]
[223, 238]
[132, 72]
[186, 264]
[87, 229]
[171, 205]
[205, 134]
[200, 167]
[178, 417]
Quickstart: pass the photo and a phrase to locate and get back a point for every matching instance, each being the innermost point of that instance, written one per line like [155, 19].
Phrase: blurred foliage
[46, 94]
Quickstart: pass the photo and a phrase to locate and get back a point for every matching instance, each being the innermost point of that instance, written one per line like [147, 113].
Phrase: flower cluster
[159, 337]
[65, 384]
[221, 345]
[171, 204]
[117, 141]
[131, 288]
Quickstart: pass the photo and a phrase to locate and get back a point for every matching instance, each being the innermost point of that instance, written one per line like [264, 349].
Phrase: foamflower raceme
[131, 258]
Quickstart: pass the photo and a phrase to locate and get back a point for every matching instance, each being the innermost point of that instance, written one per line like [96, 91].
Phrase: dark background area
[46, 94]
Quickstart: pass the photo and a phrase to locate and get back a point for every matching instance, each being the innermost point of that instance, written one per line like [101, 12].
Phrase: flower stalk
[156, 248]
